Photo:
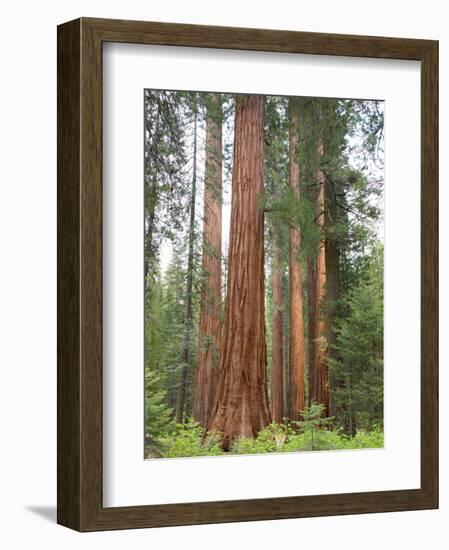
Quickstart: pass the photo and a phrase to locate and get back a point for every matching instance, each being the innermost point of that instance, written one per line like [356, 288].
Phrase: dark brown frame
[80, 274]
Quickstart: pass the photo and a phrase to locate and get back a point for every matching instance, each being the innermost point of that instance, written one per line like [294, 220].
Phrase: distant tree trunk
[286, 344]
[332, 259]
[188, 320]
[311, 309]
[320, 383]
[151, 199]
[210, 307]
[277, 366]
[332, 251]
[297, 356]
[241, 406]
[350, 426]
[149, 230]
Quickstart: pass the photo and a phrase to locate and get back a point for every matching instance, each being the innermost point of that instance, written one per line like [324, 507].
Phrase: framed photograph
[247, 274]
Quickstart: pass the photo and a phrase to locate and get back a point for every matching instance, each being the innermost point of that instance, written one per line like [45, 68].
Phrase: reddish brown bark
[277, 366]
[297, 356]
[241, 406]
[311, 309]
[320, 382]
[332, 253]
[210, 307]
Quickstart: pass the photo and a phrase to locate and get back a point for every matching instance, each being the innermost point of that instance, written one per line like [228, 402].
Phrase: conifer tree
[241, 406]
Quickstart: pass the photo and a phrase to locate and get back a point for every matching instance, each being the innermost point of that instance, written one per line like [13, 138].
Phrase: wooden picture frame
[80, 504]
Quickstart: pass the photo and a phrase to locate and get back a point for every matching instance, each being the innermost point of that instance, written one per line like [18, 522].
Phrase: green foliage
[333, 440]
[270, 439]
[190, 439]
[283, 438]
[358, 367]
[312, 425]
[166, 186]
[157, 416]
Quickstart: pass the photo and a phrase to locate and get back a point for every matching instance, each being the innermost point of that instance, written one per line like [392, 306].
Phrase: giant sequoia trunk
[210, 307]
[241, 406]
[297, 356]
[320, 383]
[277, 367]
[188, 317]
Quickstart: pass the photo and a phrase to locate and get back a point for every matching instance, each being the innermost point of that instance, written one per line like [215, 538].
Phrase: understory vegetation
[189, 439]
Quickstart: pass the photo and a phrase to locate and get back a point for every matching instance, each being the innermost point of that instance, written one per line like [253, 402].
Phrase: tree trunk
[320, 383]
[332, 259]
[277, 367]
[286, 345]
[332, 248]
[241, 406]
[149, 230]
[210, 306]
[188, 320]
[151, 199]
[297, 357]
[311, 310]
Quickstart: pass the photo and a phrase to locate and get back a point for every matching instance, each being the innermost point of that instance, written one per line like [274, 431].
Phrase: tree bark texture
[332, 249]
[277, 366]
[332, 260]
[297, 355]
[311, 310]
[241, 407]
[209, 336]
[320, 383]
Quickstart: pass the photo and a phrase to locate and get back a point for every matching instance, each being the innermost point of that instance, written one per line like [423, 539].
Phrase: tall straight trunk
[350, 426]
[277, 366]
[241, 406]
[286, 344]
[311, 310]
[297, 355]
[150, 211]
[210, 306]
[320, 382]
[332, 248]
[151, 199]
[332, 259]
[188, 320]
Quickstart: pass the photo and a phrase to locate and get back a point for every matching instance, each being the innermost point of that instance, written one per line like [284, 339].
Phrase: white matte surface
[128, 479]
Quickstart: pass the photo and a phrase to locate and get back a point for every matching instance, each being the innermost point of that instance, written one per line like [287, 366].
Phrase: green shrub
[311, 434]
[190, 439]
[157, 416]
[312, 427]
[269, 440]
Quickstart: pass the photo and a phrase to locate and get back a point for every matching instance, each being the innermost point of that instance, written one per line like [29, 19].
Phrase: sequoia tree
[210, 307]
[277, 361]
[241, 406]
[319, 374]
[297, 356]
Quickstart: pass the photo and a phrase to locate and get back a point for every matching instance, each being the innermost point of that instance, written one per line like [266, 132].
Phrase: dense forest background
[263, 273]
